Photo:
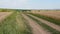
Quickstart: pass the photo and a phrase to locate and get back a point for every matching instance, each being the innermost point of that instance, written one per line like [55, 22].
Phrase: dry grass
[52, 14]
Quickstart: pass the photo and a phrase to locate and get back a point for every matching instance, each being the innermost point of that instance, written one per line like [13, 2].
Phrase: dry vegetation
[52, 14]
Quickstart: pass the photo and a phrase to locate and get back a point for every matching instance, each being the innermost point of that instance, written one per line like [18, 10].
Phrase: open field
[50, 20]
[31, 22]
[36, 29]
[52, 14]
[45, 25]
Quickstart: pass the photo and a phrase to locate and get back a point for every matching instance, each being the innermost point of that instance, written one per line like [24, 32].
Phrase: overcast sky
[30, 4]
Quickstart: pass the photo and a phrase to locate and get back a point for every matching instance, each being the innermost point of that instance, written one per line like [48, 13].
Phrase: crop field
[52, 14]
[31, 22]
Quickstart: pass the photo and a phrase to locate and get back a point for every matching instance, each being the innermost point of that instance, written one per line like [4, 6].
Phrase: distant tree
[4, 10]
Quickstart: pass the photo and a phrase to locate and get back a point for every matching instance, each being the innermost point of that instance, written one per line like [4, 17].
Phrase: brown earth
[3, 15]
[36, 29]
[47, 23]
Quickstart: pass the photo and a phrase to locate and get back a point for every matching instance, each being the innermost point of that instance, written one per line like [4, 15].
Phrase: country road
[36, 29]
[47, 23]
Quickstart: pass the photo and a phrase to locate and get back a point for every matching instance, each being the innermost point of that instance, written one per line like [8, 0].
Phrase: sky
[30, 4]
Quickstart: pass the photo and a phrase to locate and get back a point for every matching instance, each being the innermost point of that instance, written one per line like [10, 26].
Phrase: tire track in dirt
[54, 26]
[3, 15]
[36, 29]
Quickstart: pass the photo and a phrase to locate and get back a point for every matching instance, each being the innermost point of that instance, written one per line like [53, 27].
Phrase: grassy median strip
[25, 24]
[53, 31]
[47, 18]
[28, 27]
[10, 25]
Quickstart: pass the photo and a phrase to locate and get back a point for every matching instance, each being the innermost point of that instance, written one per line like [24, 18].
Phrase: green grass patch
[25, 25]
[47, 18]
[53, 31]
[10, 25]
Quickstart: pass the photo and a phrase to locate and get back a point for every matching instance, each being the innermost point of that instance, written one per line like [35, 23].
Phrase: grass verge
[26, 26]
[7, 26]
[10, 25]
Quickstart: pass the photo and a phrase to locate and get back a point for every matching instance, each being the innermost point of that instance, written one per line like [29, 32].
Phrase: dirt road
[3, 15]
[54, 26]
[36, 29]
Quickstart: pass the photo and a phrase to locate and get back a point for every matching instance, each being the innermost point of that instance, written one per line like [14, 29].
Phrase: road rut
[47, 23]
[36, 29]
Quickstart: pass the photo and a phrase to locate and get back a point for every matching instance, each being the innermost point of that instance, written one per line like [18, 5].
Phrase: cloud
[12, 3]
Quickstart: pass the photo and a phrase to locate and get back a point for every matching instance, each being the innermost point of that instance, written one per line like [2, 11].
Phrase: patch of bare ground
[3, 15]
[47, 23]
[36, 29]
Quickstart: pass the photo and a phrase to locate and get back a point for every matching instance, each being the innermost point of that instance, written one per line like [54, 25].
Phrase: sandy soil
[48, 23]
[36, 29]
[3, 15]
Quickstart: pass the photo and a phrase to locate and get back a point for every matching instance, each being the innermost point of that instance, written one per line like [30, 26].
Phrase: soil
[47, 23]
[3, 15]
[36, 29]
